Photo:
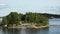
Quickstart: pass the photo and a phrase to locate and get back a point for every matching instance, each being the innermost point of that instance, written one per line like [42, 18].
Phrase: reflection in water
[26, 31]
[50, 30]
[10, 31]
[38, 31]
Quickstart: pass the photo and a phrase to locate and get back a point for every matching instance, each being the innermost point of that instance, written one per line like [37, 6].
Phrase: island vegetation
[28, 20]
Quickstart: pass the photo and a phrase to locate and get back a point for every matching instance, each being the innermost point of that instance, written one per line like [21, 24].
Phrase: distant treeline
[50, 16]
[29, 17]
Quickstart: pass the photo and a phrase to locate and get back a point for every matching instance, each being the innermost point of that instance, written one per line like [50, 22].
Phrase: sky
[23, 6]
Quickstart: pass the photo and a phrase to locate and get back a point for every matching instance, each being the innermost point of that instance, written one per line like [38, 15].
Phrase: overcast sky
[22, 6]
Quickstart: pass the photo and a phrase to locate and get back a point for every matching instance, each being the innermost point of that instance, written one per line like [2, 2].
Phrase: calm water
[49, 30]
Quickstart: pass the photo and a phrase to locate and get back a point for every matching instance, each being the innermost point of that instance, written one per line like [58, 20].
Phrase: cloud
[53, 10]
[2, 6]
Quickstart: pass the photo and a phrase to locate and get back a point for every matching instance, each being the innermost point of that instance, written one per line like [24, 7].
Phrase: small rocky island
[24, 21]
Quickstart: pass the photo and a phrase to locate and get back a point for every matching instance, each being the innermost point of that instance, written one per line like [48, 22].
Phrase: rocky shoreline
[32, 27]
[26, 26]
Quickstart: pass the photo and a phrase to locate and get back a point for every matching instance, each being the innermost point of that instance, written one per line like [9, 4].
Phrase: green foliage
[15, 18]
[4, 21]
[36, 18]
[12, 18]
[20, 16]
